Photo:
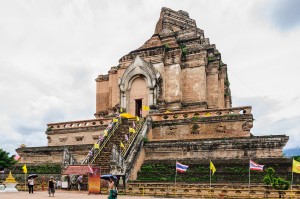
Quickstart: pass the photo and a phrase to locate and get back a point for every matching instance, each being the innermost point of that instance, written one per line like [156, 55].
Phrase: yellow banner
[105, 133]
[122, 145]
[212, 167]
[115, 120]
[24, 168]
[96, 146]
[131, 130]
[146, 108]
[127, 115]
[296, 166]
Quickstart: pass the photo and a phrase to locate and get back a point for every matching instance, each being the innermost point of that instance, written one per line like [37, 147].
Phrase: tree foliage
[6, 160]
[276, 182]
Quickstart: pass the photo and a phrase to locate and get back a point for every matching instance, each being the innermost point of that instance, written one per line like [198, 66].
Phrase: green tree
[297, 158]
[276, 182]
[6, 160]
[269, 177]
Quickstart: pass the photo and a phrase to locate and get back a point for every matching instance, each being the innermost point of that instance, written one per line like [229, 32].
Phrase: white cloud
[51, 52]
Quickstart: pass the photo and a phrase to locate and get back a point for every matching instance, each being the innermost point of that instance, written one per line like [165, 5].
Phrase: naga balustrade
[132, 138]
[102, 144]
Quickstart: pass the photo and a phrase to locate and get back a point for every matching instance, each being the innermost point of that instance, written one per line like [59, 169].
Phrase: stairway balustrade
[96, 151]
[132, 138]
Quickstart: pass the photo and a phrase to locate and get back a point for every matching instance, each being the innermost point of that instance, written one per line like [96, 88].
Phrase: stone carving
[221, 128]
[247, 125]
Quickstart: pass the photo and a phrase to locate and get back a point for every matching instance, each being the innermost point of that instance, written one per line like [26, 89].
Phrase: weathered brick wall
[52, 154]
[75, 138]
[114, 90]
[199, 131]
[102, 95]
[172, 79]
[212, 85]
[193, 85]
[226, 148]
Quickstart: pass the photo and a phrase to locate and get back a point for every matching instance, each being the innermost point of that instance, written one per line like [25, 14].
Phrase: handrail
[95, 155]
[132, 138]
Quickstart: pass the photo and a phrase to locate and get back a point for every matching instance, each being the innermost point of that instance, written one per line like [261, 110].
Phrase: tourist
[30, 185]
[79, 181]
[112, 185]
[90, 154]
[110, 125]
[101, 138]
[51, 185]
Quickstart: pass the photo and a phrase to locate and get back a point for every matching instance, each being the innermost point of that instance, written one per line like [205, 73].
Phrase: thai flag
[17, 157]
[181, 167]
[257, 167]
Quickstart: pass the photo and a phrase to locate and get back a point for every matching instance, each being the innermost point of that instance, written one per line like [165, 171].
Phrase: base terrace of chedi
[181, 77]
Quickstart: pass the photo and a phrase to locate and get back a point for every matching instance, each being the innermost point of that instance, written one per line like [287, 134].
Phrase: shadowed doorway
[138, 107]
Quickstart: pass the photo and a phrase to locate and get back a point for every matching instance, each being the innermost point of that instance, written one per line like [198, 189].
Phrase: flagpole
[25, 181]
[209, 174]
[292, 175]
[175, 172]
[249, 174]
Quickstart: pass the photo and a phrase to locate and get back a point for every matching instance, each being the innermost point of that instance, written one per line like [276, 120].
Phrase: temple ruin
[178, 88]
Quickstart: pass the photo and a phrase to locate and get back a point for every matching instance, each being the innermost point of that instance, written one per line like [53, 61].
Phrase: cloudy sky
[51, 51]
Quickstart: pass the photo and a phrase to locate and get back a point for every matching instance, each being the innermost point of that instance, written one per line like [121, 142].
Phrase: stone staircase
[104, 158]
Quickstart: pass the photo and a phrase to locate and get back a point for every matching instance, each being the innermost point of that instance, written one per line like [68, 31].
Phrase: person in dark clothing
[51, 185]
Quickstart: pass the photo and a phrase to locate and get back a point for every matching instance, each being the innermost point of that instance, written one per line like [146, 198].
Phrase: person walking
[80, 181]
[30, 185]
[51, 186]
[112, 185]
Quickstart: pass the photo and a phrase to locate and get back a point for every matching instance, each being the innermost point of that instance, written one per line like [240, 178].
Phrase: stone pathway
[61, 194]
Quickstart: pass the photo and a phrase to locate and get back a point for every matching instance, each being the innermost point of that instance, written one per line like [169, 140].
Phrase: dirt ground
[63, 195]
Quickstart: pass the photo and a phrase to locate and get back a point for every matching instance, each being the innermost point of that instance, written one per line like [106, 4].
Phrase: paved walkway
[63, 195]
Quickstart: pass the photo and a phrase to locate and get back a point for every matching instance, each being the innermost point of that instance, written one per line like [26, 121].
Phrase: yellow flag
[24, 168]
[212, 167]
[146, 108]
[105, 133]
[137, 118]
[207, 114]
[127, 115]
[115, 120]
[296, 166]
[131, 130]
[96, 146]
[122, 145]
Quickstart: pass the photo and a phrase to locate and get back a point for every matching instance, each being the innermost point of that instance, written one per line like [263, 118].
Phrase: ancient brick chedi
[176, 69]
[178, 82]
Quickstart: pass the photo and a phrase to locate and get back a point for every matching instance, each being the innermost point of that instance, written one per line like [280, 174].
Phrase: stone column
[172, 90]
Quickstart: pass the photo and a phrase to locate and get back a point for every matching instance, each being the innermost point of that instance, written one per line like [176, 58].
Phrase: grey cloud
[284, 14]
[264, 109]
[262, 106]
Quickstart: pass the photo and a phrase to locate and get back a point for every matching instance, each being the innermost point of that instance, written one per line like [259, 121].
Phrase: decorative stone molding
[63, 139]
[139, 68]
[79, 137]
[101, 78]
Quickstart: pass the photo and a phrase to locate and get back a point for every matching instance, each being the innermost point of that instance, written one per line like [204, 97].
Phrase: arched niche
[139, 70]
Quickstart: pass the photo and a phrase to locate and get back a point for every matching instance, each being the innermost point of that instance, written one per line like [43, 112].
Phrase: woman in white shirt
[30, 185]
